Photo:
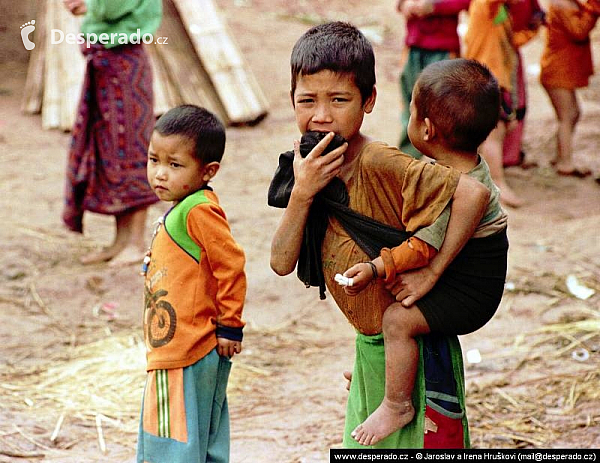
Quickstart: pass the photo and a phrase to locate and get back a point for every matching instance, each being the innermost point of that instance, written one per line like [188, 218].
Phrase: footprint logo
[27, 29]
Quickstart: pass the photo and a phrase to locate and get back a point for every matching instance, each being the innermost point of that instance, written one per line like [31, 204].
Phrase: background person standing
[106, 169]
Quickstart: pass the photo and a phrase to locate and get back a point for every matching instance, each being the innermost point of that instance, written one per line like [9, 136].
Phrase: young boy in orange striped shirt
[195, 287]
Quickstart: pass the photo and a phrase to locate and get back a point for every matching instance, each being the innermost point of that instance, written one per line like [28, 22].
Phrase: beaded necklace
[148, 255]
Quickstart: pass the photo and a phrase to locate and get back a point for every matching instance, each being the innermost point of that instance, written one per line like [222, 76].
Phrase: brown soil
[62, 355]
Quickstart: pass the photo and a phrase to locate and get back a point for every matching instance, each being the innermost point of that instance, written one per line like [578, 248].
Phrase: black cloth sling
[465, 296]
[370, 234]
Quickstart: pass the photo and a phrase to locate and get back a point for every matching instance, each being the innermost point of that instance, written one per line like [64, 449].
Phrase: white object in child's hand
[343, 281]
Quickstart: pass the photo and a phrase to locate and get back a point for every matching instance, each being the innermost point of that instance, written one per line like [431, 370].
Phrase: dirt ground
[71, 363]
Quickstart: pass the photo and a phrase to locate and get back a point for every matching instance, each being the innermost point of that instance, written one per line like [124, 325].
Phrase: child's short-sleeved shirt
[494, 219]
[195, 281]
[395, 189]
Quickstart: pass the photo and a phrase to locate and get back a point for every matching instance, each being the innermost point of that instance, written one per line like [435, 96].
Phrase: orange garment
[567, 57]
[593, 6]
[489, 40]
[395, 189]
[153, 416]
[411, 254]
[195, 283]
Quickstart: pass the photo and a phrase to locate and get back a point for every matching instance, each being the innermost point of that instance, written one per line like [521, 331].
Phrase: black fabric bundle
[371, 235]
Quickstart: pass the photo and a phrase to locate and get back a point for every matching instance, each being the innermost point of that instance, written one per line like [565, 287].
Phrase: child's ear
[210, 170]
[430, 131]
[370, 101]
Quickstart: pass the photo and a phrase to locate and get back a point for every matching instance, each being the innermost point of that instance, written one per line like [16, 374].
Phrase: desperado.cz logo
[57, 36]
[27, 29]
[116, 38]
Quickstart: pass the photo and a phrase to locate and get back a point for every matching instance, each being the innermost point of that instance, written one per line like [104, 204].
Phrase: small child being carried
[455, 105]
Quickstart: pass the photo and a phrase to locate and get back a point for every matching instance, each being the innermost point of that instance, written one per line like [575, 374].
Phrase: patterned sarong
[106, 170]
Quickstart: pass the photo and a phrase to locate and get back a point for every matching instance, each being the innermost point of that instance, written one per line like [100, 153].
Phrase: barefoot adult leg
[400, 326]
[128, 246]
[491, 150]
[131, 228]
[106, 253]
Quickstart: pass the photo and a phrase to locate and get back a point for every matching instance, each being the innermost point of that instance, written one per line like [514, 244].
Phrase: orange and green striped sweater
[195, 284]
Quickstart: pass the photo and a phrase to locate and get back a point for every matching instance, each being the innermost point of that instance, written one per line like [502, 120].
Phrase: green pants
[416, 61]
[367, 390]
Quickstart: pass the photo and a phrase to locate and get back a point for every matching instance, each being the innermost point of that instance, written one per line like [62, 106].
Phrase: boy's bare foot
[508, 197]
[129, 255]
[388, 418]
[105, 254]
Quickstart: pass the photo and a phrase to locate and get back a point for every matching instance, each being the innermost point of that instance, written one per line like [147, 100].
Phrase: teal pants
[206, 418]
[416, 61]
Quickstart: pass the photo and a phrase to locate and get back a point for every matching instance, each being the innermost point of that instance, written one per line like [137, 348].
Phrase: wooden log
[31, 101]
[237, 88]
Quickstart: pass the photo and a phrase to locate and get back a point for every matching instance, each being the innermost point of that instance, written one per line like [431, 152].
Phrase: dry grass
[551, 387]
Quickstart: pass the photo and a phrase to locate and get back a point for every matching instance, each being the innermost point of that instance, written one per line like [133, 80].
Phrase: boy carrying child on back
[333, 87]
[455, 105]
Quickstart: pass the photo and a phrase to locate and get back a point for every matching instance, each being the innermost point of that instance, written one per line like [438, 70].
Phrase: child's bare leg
[491, 150]
[567, 112]
[400, 326]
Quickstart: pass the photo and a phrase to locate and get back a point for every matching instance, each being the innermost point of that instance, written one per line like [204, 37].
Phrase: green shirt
[119, 19]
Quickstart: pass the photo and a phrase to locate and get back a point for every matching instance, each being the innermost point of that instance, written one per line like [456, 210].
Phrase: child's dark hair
[200, 126]
[336, 46]
[462, 99]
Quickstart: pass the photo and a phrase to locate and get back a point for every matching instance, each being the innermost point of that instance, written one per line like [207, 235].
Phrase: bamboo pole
[72, 69]
[51, 100]
[34, 83]
[237, 88]
[163, 89]
[183, 67]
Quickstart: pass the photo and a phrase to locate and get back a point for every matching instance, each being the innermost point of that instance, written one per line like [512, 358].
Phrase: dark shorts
[469, 292]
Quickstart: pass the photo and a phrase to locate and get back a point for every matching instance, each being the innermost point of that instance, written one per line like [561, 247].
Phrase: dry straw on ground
[99, 385]
[551, 385]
